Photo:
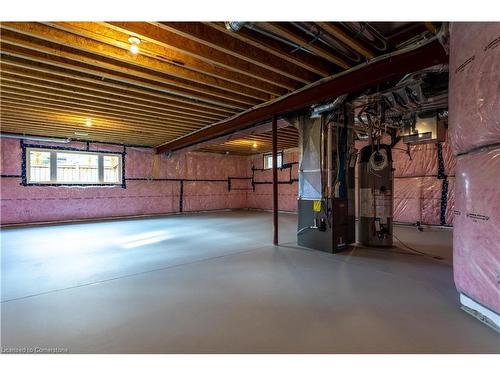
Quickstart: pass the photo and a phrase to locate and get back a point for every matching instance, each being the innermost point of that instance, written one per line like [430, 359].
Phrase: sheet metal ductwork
[326, 180]
[234, 25]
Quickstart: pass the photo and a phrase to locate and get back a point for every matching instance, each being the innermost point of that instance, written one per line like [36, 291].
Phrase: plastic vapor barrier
[310, 186]
[476, 246]
[475, 136]
[420, 194]
[474, 85]
[262, 196]
[152, 186]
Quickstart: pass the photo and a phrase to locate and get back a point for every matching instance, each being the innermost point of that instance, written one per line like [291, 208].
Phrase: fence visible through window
[67, 167]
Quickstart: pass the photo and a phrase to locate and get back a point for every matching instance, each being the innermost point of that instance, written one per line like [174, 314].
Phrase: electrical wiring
[417, 251]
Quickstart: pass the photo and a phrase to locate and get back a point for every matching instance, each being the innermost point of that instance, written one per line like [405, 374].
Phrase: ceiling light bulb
[134, 44]
[134, 40]
[88, 122]
[254, 145]
[134, 49]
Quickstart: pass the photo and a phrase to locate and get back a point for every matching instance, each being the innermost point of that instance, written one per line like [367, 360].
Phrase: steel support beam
[275, 180]
[377, 71]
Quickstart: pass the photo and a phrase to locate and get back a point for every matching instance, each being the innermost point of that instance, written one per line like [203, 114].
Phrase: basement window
[268, 160]
[62, 167]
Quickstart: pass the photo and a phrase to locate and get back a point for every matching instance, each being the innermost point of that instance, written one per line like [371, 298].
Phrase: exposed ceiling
[80, 79]
[287, 138]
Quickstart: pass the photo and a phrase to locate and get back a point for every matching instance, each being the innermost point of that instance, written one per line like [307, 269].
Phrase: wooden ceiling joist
[193, 91]
[37, 104]
[65, 37]
[113, 36]
[213, 38]
[280, 28]
[152, 62]
[31, 96]
[369, 75]
[299, 58]
[33, 86]
[72, 130]
[76, 123]
[60, 76]
[48, 130]
[191, 85]
[33, 127]
[345, 38]
[160, 34]
[117, 77]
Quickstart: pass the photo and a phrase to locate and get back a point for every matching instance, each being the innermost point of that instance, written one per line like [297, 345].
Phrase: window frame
[26, 168]
[271, 154]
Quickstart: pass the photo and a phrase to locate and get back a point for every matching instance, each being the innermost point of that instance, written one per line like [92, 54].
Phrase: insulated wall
[423, 182]
[262, 197]
[423, 186]
[475, 137]
[148, 191]
[476, 237]
[152, 186]
[474, 85]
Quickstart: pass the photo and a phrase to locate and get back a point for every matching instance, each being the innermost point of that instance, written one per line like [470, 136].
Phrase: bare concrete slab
[211, 283]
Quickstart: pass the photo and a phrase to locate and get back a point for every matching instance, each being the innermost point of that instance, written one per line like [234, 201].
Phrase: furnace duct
[310, 170]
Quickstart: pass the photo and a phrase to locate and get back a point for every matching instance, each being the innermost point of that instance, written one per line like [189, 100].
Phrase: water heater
[376, 187]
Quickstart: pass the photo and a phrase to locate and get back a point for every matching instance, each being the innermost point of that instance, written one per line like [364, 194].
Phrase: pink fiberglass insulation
[262, 198]
[138, 163]
[476, 247]
[417, 189]
[26, 204]
[422, 161]
[420, 201]
[107, 147]
[450, 161]
[474, 85]
[417, 199]
[202, 196]
[431, 200]
[10, 155]
[450, 206]
[407, 202]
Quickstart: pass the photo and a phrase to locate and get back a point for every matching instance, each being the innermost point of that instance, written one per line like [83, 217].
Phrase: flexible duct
[319, 109]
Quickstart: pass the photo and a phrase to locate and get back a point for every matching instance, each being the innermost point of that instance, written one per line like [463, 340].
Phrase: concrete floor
[211, 283]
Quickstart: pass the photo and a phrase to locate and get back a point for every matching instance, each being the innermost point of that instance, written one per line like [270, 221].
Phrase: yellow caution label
[316, 206]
